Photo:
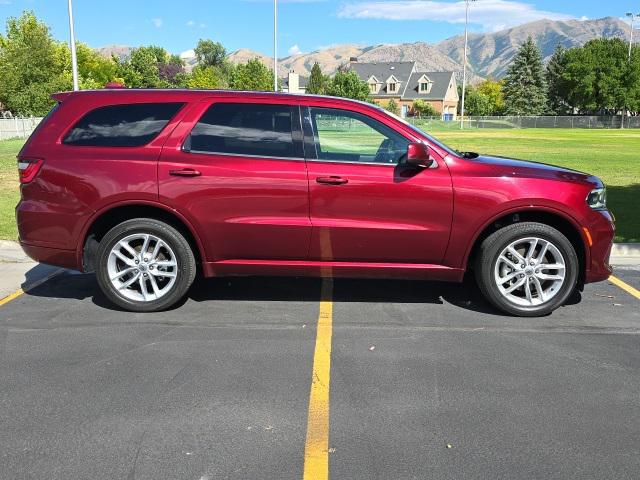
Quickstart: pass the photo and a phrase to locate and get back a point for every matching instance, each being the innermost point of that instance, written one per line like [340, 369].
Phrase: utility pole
[464, 61]
[275, 45]
[72, 46]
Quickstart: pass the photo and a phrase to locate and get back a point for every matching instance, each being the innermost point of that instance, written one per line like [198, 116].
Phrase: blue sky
[305, 25]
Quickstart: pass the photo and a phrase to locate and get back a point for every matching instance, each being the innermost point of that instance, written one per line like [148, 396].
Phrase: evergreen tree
[525, 88]
[557, 94]
[317, 81]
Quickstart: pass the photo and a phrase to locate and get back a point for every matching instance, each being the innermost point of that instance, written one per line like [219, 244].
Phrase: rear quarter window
[127, 125]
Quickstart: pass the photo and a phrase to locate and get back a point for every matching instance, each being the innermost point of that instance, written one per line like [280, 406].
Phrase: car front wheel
[527, 269]
[145, 265]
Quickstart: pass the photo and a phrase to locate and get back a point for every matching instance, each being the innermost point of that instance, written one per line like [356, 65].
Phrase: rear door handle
[185, 172]
[333, 180]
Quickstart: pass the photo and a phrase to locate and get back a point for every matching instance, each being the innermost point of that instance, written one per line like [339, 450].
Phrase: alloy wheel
[142, 267]
[530, 272]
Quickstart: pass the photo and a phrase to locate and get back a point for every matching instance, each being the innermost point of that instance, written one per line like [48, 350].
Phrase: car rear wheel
[527, 269]
[145, 265]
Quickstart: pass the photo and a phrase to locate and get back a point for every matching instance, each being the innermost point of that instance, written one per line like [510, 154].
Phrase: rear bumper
[51, 256]
[602, 230]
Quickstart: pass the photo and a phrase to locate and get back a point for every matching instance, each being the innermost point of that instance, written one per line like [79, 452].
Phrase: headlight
[597, 198]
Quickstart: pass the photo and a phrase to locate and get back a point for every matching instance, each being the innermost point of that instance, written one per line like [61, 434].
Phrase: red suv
[145, 187]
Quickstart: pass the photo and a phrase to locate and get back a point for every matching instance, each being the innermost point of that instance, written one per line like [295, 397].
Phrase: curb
[621, 253]
[11, 252]
[625, 250]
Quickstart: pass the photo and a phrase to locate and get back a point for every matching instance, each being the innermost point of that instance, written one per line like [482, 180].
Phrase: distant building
[294, 83]
[403, 83]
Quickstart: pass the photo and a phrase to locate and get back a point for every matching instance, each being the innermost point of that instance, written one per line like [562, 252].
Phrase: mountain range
[489, 53]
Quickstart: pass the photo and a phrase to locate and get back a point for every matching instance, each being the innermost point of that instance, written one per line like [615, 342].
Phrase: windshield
[423, 133]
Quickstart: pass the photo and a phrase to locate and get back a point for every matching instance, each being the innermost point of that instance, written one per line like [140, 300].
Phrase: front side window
[130, 125]
[244, 129]
[345, 136]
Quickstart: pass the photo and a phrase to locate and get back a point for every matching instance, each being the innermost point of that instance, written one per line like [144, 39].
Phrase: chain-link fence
[22, 127]
[530, 122]
[18, 127]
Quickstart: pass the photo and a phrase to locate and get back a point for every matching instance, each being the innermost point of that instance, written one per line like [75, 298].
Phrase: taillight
[29, 168]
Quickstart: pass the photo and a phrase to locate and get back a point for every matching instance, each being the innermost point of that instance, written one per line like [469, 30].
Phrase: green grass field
[613, 155]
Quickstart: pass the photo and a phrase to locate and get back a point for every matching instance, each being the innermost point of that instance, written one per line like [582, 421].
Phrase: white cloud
[286, 1]
[295, 50]
[491, 14]
[193, 24]
[157, 22]
[188, 54]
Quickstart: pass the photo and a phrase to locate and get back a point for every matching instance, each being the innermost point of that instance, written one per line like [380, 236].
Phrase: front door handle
[333, 180]
[185, 172]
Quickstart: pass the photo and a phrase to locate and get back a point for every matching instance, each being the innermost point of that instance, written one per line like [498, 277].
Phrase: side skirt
[294, 268]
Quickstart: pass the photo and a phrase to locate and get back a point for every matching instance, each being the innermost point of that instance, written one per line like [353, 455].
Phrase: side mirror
[418, 155]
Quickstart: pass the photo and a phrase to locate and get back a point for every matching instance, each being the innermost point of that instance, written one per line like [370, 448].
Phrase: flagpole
[72, 46]
[464, 62]
[275, 45]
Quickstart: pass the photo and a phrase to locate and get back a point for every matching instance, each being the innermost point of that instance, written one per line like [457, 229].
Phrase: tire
[543, 290]
[155, 281]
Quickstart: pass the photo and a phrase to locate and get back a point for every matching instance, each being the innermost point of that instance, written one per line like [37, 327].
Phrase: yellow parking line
[21, 291]
[625, 286]
[316, 449]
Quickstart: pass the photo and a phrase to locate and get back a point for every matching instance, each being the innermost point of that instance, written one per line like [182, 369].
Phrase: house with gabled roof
[404, 83]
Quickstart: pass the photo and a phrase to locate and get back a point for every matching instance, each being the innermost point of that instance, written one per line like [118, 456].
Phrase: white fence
[531, 122]
[18, 127]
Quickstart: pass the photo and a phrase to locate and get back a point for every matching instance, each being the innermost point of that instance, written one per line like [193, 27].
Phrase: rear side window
[130, 125]
[244, 129]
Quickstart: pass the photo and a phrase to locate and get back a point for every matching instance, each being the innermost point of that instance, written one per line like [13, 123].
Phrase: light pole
[632, 16]
[275, 45]
[464, 61]
[72, 45]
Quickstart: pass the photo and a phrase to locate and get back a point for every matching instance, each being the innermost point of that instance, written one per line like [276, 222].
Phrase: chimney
[294, 82]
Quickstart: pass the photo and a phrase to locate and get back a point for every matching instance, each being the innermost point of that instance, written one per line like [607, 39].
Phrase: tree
[493, 90]
[140, 70]
[598, 77]
[392, 107]
[347, 84]
[94, 70]
[171, 71]
[29, 66]
[424, 109]
[210, 53]
[253, 75]
[525, 88]
[317, 83]
[203, 78]
[477, 103]
[556, 87]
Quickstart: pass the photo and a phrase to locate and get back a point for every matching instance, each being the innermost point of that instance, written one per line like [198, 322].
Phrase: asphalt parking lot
[426, 381]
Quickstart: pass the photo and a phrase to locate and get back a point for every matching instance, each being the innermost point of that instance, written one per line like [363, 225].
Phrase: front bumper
[602, 231]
